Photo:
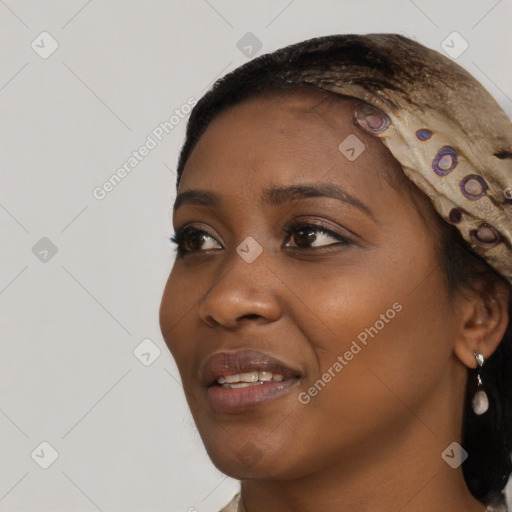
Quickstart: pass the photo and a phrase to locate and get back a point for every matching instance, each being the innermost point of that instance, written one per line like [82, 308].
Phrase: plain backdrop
[92, 413]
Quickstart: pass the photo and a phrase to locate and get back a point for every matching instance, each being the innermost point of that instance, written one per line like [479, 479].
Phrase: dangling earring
[480, 400]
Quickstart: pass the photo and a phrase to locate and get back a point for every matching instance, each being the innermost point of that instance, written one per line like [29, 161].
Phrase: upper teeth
[250, 377]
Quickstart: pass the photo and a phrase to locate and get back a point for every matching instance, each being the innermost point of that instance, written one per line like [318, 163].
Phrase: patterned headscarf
[450, 136]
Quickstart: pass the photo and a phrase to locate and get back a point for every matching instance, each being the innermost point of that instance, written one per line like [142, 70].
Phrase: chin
[251, 457]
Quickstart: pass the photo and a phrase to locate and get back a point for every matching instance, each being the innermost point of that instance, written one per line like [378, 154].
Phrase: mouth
[246, 379]
[238, 381]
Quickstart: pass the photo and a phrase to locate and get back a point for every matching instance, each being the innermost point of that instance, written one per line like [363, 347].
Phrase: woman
[339, 305]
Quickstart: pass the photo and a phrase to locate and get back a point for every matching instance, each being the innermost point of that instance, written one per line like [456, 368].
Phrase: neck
[401, 470]
[406, 485]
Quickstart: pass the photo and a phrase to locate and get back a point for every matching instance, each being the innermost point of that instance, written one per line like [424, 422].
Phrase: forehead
[286, 137]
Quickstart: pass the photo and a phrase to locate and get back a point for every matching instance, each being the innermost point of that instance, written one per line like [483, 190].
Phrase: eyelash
[179, 237]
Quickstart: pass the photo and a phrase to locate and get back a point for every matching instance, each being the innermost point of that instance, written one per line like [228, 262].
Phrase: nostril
[210, 321]
[251, 316]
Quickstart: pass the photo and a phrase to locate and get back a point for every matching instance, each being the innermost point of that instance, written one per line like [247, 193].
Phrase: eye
[189, 239]
[309, 236]
[306, 236]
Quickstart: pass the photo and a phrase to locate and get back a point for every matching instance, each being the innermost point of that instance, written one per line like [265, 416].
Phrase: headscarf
[450, 136]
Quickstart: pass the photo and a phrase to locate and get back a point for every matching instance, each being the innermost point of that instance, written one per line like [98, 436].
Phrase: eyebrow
[275, 196]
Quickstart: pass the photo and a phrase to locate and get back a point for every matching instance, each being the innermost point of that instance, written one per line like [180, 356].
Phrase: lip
[221, 364]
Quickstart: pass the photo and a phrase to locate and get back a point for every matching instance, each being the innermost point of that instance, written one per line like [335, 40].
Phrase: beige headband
[450, 136]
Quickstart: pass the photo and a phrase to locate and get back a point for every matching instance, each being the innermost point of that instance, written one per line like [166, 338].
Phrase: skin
[372, 439]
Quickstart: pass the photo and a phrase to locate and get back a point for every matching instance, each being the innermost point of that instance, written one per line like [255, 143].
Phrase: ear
[484, 320]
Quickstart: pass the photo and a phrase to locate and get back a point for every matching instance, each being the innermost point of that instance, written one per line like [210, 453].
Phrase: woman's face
[353, 303]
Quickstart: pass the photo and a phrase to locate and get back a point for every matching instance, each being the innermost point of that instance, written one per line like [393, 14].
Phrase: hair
[486, 438]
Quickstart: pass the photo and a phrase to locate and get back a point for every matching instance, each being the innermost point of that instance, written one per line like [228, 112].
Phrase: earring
[480, 400]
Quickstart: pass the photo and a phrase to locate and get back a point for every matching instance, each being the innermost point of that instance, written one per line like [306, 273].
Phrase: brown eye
[308, 236]
[195, 240]
[189, 239]
[305, 236]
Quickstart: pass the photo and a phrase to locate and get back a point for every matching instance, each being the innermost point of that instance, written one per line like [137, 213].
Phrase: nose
[244, 292]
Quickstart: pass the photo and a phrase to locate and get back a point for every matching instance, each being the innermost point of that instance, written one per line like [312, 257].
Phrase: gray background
[71, 320]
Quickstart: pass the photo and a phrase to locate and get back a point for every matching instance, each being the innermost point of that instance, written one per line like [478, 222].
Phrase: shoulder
[232, 506]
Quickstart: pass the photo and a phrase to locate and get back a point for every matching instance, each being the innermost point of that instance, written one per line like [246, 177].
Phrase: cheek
[390, 320]
[178, 306]
[394, 348]
[336, 304]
